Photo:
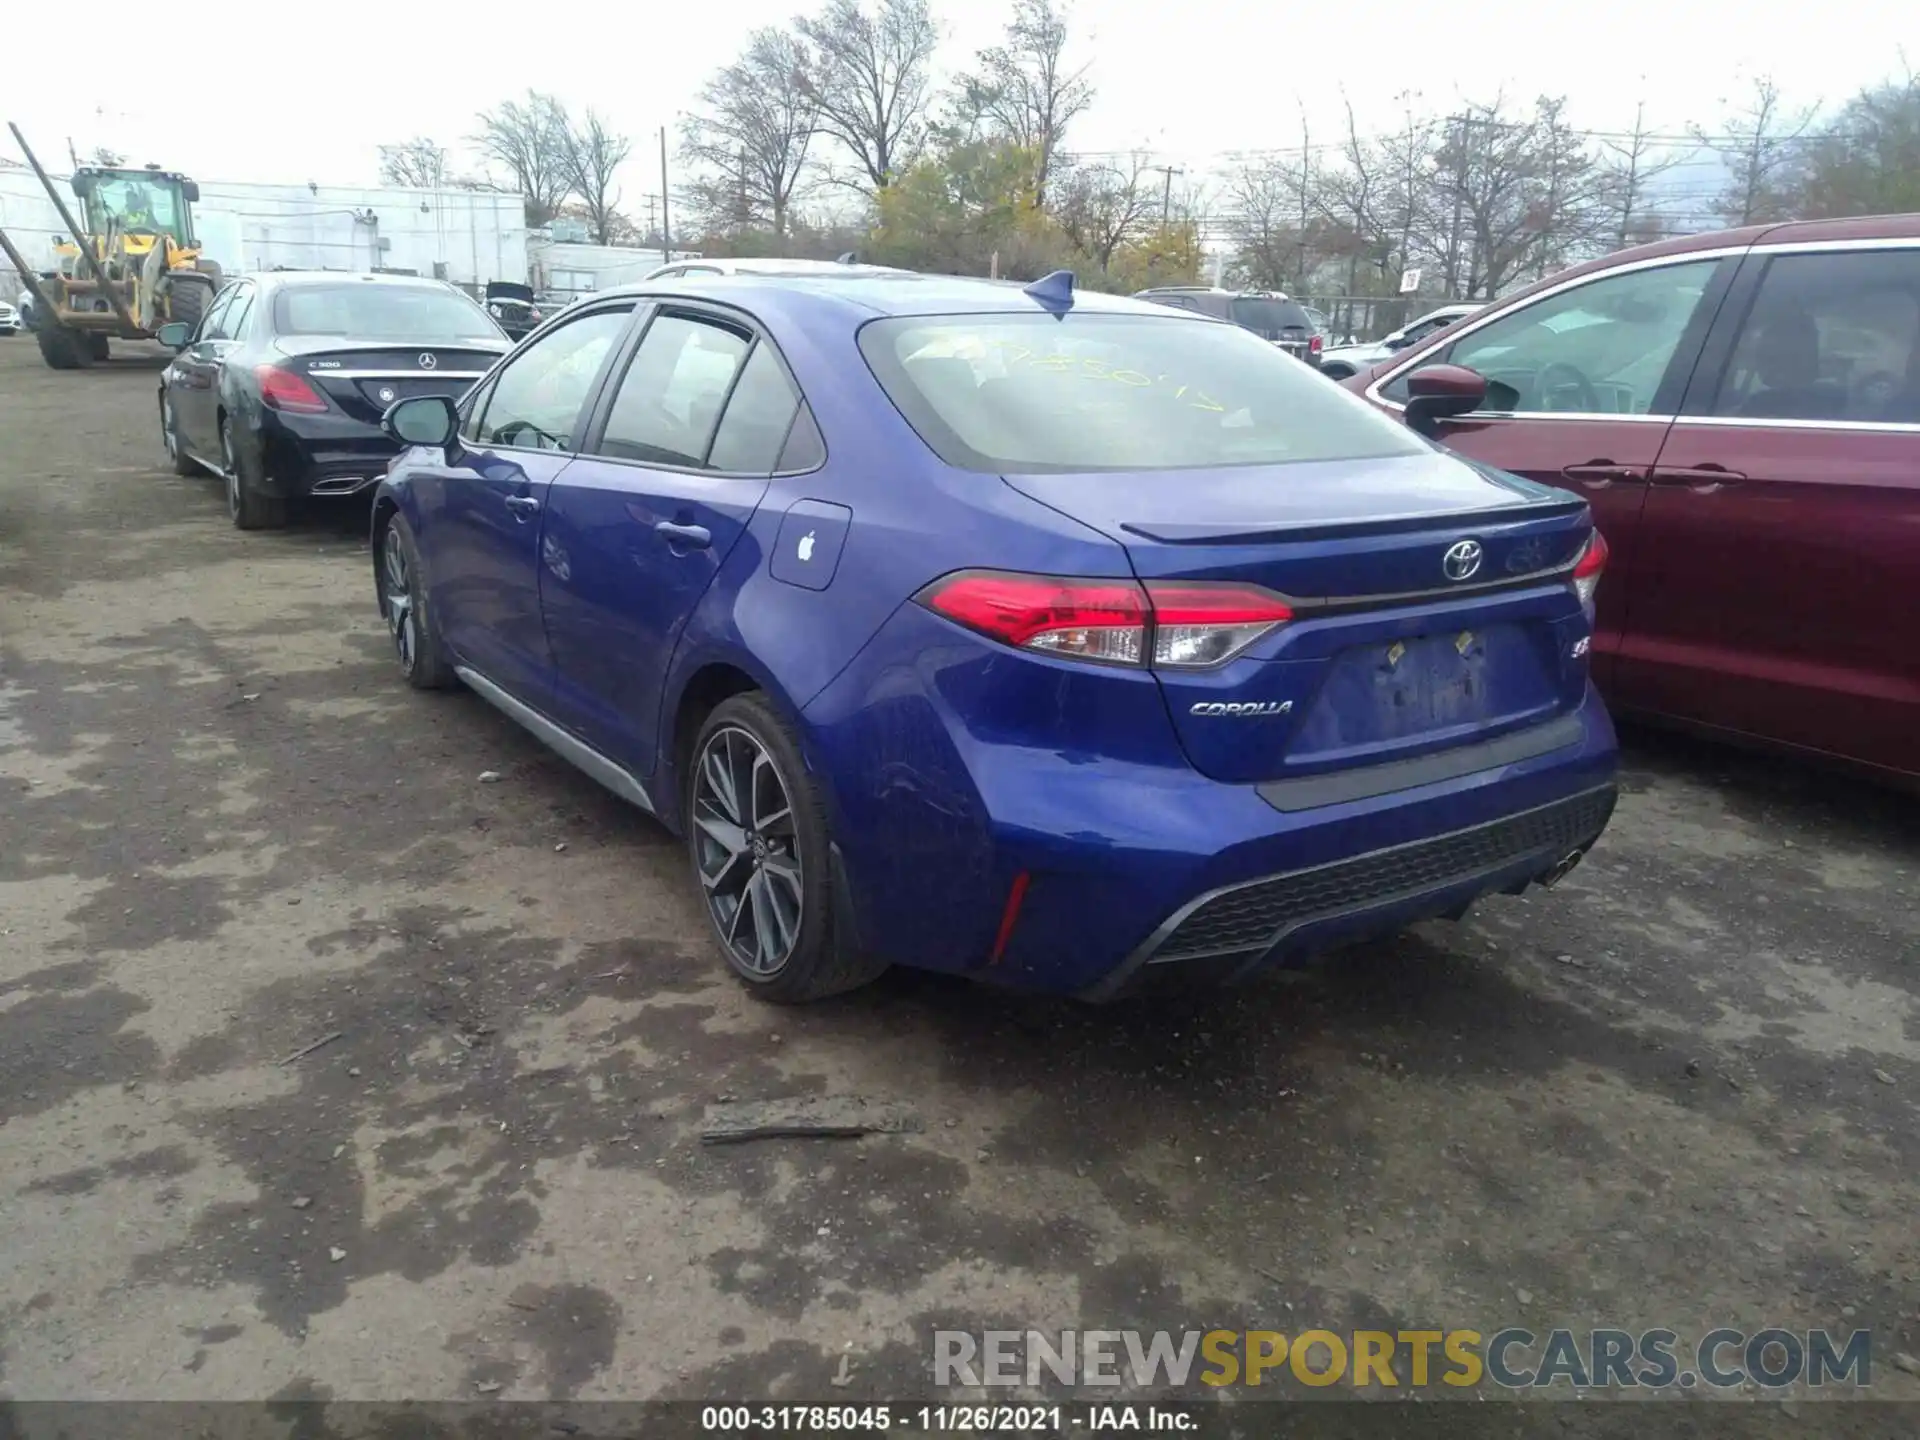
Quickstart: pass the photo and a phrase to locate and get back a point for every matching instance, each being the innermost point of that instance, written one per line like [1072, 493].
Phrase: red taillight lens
[284, 390]
[1196, 624]
[1317, 344]
[1588, 569]
[1192, 624]
[1104, 620]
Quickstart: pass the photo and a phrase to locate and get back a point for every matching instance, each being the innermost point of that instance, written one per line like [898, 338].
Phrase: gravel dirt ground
[1680, 1090]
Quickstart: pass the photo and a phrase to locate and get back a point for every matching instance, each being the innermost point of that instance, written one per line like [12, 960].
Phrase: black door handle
[1700, 477]
[694, 537]
[1599, 474]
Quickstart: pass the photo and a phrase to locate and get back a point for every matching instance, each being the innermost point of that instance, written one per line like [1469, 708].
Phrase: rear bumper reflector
[1010, 916]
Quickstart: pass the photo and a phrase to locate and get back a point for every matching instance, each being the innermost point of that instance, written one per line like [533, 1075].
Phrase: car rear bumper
[1138, 867]
[322, 455]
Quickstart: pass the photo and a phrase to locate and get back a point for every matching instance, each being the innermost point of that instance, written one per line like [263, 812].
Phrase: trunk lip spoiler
[1255, 532]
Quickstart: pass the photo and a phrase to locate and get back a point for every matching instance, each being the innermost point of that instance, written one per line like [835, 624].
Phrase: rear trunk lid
[1431, 597]
[364, 379]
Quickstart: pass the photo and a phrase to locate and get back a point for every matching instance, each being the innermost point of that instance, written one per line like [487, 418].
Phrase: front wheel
[63, 349]
[758, 837]
[402, 593]
[170, 437]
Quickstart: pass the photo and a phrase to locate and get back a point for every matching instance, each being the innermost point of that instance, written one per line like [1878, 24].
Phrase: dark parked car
[1060, 640]
[1742, 410]
[513, 307]
[280, 388]
[1270, 316]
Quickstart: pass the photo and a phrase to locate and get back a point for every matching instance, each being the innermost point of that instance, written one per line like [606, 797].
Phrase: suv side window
[1598, 348]
[536, 400]
[1830, 336]
[669, 401]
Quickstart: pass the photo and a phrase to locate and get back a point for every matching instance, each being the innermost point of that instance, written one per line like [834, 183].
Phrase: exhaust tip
[1561, 869]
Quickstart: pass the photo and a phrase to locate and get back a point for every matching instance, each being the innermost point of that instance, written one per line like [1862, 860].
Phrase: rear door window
[1831, 336]
[1025, 393]
[758, 416]
[670, 399]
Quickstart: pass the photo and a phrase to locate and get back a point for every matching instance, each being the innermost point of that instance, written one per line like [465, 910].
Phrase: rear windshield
[1027, 393]
[412, 314]
[1270, 317]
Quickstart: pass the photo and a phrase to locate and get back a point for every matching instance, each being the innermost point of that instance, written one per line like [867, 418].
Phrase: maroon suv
[1742, 410]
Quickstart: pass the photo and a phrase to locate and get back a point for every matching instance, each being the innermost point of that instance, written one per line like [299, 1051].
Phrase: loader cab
[137, 202]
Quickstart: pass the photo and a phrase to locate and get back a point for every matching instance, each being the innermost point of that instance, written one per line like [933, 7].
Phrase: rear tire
[97, 346]
[760, 844]
[246, 506]
[62, 348]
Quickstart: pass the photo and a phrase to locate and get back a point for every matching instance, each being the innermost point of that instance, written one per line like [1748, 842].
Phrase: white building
[466, 236]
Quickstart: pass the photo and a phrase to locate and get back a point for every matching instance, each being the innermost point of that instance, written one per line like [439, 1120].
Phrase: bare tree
[529, 142]
[749, 144]
[1024, 89]
[419, 164]
[1868, 161]
[871, 80]
[591, 154]
[1631, 164]
[1762, 146]
[1102, 206]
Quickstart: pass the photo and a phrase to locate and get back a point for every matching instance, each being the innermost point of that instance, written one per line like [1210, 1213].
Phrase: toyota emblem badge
[1461, 560]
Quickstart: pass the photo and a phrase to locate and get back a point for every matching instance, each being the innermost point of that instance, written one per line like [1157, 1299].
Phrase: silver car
[1344, 360]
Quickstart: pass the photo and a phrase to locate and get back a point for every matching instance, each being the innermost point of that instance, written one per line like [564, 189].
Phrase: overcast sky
[307, 93]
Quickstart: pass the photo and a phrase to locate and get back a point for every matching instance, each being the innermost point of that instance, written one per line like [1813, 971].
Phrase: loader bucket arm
[79, 237]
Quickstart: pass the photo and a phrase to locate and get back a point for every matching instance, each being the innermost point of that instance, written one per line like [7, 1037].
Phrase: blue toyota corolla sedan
[1055, 639]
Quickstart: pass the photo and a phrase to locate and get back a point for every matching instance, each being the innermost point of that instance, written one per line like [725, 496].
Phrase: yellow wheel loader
[133, 263]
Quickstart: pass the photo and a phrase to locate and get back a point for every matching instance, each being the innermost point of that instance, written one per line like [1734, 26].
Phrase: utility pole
[1166, 191]
[1462, 129]
[666, 237]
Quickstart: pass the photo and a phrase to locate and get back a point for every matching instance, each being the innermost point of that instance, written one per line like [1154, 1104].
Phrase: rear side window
[1833, 336]
[1270, 319]
[758, 416]
[1026, 393]
[669, 401]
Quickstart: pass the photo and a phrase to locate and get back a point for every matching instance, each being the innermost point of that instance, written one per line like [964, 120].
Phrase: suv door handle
[1599, 474]
[694, 537]
[1700, 477]
[523, 505]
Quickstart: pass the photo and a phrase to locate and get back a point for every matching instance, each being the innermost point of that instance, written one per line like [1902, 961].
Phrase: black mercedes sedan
[279, 389]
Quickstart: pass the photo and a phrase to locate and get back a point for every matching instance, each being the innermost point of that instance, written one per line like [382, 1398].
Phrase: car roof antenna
[1054, 291]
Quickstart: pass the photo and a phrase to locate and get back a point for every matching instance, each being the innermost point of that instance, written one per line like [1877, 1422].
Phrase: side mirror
[1438, 392]
[174, 334]
[422, 420]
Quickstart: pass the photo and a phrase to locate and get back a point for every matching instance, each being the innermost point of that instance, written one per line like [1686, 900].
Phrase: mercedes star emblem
[427, 362]
[1461, 560]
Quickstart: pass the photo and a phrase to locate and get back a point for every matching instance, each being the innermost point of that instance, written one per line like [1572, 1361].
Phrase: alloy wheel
[396, 594]
[747, 851]
[233, 472]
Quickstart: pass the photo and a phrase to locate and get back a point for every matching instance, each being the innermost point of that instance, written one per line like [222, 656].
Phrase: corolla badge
[1242, 709]
[1462, 559]
[805, 548]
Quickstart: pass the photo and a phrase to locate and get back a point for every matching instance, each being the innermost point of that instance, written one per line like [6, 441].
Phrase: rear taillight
[1317, 344]
[284, 390]
[1171, 624]
[1588, 569]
